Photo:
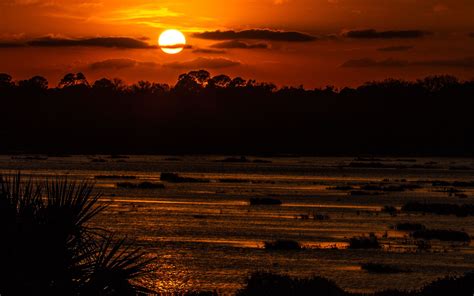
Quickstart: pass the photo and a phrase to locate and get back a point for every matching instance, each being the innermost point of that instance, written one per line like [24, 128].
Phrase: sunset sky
[289, 42]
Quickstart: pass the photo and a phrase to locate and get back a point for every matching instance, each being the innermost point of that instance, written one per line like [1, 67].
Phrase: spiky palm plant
[47, 247]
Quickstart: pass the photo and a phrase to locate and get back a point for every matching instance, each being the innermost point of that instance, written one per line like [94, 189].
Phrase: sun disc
[172, 41]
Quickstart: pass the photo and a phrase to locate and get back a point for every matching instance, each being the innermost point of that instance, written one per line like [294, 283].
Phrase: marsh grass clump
[114, 177]
[175, 178]
[423, 245]
[364, 242]
[142, 185]
[266, 283]
[282, 244]
[442, 235]
[268, 201]
[241, 159]
[380, 268]
[48, 247]
[440, 208]
[341, 188]
[360, 193]
[390, 210]
[408, 226]
[234, 180]
[321, 216]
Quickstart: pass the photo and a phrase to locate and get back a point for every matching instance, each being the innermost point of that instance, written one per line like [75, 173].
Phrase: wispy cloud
[390, 63]
[209, 51]
[203, 63]
[396, 48]
[374, 34]
[240, 45]
[117, 64]
[256, 34]
[54, 41]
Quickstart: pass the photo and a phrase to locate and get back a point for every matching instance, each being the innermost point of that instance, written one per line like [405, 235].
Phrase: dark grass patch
[364, 242]
[142, 185]
[175, 178]
[173, 159]
[423, 245]
[390, 210]
[454, 184]
[98, 160]
[408, 226]
[341, 188]
[440, 208]
[256, 201]
[261, 161]
[389, 188]
[266, 283]
[380, 268]
[233, 180]
[282, 244]
[442, 235]
[241, 159]
[321, 217]
[116, 156]
[108, 177]
[35, 157]
[363, 193]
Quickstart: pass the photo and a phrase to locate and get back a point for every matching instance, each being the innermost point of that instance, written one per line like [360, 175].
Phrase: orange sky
[410, 39]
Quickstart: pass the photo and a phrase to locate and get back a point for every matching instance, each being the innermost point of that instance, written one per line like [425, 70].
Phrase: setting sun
[172, 41]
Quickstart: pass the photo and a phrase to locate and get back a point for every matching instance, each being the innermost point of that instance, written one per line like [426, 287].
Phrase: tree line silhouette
[219, 114]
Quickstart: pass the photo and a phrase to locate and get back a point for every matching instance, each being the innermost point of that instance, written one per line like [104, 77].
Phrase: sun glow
[172, 41]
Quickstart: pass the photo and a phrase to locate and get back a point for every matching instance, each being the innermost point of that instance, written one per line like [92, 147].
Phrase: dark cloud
[370, 63]
[388, 63]
[396, 48]
[471, 35]
[256, 34]
[239, 44]
[8, 44]
[373, 34]
[117, 64]
[209, 51]
[116, 42]
[449, 63]
[203, 63]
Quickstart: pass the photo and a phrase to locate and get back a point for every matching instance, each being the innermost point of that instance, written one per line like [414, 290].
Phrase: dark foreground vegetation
[262, 201]
[442, 234]
[220, 114]
[47, 247]
[463, 210]
[262, 284]
[282, 244]
[364, 242]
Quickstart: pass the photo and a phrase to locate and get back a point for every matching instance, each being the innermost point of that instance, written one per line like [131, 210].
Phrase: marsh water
[206, 236]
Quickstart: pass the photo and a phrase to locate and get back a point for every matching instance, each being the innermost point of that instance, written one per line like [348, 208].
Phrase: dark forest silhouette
[220, 114]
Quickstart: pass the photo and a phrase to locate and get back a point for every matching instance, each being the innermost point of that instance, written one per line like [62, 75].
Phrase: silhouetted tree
[104, 84]
[437, 83]
[72, 79]
[192, 82]
[141, 87]
[35, 83]
[5, 81]
[237, 82]
[220, 81]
